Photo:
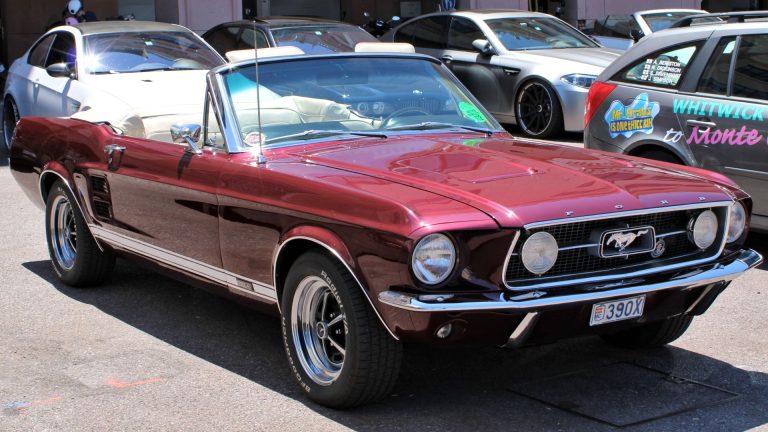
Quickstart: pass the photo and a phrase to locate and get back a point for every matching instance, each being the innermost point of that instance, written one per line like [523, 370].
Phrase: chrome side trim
[177, 261]
[510, 252]
[626, 213]
[72, 191]
[522, 331]
[341, 260]
[695, 277]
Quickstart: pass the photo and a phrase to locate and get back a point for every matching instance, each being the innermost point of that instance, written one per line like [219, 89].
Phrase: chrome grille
[576, 241]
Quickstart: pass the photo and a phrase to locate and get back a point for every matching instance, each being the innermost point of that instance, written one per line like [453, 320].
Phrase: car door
[26, 77]
[163, 201]
[57, 96]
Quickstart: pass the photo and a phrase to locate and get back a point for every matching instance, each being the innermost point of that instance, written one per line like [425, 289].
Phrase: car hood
[598, 57]
[155, 93]
[518, 182]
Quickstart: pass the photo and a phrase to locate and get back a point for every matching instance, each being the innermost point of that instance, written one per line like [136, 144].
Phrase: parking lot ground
[147, 353]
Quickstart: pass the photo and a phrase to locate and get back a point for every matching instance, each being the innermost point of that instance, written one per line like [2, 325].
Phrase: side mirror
[59, 70]
[636, 34]
[187, 133]
[483, 46]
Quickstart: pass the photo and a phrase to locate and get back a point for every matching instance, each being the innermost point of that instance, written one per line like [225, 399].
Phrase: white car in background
[111, 66]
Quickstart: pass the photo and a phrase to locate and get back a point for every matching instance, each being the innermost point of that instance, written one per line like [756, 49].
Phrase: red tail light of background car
[597, 94]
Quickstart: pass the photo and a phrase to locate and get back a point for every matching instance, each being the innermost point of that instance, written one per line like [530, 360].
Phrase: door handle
[110, 150]
[447, 59]
[700, 123]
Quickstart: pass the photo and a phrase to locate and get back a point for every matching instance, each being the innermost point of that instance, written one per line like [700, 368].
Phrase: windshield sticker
[630, 119]
[472, 142]
[662, 71]
[722, 110]
[471, 112]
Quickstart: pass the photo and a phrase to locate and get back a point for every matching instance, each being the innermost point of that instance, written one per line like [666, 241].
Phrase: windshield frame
[235, 142]
[586, 41]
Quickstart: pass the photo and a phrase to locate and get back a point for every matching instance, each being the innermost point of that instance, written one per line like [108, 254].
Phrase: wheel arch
[643, 146]
[303, 239]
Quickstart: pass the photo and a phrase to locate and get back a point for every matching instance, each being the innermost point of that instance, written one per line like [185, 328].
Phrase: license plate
[617, 310]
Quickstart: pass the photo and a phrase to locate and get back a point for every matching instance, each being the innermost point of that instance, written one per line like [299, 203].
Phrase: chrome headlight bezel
[445, 246]
[703, 229]
[737, 221]
[579, 80]
[539, 246]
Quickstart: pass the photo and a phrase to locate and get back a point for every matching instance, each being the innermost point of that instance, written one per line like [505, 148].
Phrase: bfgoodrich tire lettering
[76, 258]
[651, 335]
[337, 349]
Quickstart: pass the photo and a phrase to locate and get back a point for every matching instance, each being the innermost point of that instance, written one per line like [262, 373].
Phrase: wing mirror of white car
[59, 70]
[187, 134]
[483, 46]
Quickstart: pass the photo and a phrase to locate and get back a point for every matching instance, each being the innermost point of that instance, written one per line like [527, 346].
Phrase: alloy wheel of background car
[10, 118]
[337, 349]
[538, 110]
[75, 256]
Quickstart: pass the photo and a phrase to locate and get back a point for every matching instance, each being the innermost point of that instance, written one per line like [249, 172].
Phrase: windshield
[322, 39]
[146, 51]
[662, 20]
[372, 97]
[535, 33]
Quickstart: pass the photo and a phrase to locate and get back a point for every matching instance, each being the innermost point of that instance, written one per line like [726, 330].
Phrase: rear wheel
[76, 258]
[538, 110]
[338, 350]
[651, 335]
[660, 155]
[10, 118]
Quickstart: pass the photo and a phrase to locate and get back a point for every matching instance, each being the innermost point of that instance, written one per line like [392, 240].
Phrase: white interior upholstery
[384, 47]
[248, 54]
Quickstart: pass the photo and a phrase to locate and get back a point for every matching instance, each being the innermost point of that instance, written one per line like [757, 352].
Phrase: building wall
[198, 15]
[586, 11]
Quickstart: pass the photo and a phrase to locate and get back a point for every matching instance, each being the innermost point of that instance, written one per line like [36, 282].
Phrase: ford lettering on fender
[421, 223]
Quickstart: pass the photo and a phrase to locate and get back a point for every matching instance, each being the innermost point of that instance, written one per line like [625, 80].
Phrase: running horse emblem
[623, 239]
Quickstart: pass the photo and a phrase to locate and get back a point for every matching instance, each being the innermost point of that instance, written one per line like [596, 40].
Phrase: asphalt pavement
[144, 352]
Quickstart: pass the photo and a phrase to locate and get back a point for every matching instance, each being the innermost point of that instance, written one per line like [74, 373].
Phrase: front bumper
[720, 271]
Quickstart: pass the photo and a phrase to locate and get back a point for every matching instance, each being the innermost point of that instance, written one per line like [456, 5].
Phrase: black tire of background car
[651, 335]
[660, 155]
[373, 357]
[543, 93]
[91, 266]
[10, 118]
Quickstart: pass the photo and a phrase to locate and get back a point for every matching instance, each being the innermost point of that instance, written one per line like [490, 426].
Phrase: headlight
[738, 221]
[539, 252]
[433, 259]
[703, 229]
[579, 80]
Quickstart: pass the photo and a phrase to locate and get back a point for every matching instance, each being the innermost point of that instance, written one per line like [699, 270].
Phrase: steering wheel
[399, 112]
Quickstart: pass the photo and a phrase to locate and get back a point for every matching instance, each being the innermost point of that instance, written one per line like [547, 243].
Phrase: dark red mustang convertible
[371, 201]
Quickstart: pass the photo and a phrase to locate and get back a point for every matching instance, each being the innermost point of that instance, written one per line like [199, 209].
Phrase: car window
[662, 20]
[614, 26]
[714, 79]
[223, 39]
[322, 39]
[663, 68]
[533, 33]
[62, 50]
[430, 32]
[750, 77]
[462, 33]
[128, 52]
[39, 52]
[248, 36]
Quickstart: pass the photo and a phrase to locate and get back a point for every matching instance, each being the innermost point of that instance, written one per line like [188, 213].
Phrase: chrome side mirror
[187, 133]
[483, 46]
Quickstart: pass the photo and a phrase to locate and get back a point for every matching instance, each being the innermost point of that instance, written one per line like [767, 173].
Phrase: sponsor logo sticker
[628, 120]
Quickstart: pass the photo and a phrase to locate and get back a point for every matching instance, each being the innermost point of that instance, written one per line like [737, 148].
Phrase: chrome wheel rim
[10, 118]
[319, 330]
[63, 233]
[534, 108]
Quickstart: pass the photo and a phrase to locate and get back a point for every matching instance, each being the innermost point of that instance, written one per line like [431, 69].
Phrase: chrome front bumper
[721, 271]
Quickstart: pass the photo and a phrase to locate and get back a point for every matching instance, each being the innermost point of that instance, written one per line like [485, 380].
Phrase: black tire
[538, 111]
[76, 258]
[370, 363]
[661, 155]
[10, 118]
[651, 335]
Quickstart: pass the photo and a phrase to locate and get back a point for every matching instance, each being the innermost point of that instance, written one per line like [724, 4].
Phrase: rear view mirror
[59, 70]
[187, 134]
[483, 46]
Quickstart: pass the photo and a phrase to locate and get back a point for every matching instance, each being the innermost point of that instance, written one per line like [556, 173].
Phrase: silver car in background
[623, 31]
[527, 68]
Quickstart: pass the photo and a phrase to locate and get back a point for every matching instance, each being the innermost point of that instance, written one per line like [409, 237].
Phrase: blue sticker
[630, 119]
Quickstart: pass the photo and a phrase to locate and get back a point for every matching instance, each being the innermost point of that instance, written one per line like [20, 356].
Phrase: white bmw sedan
[107, 65]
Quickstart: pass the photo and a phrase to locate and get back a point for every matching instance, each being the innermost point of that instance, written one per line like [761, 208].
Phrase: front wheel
[10, 118]
[76, 257]
[651, 335]
[538, 110]
[337, 349]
